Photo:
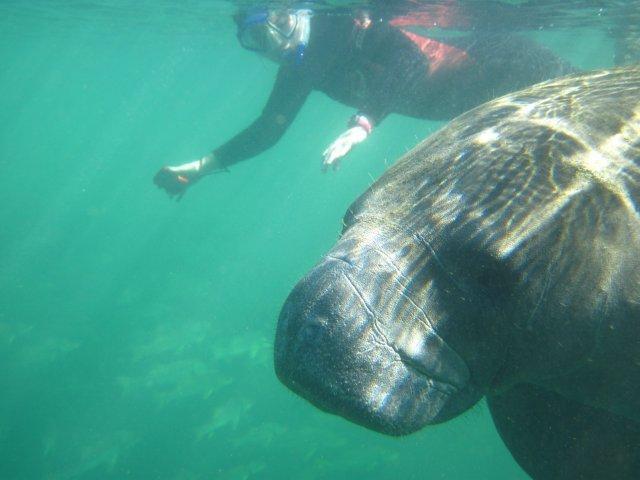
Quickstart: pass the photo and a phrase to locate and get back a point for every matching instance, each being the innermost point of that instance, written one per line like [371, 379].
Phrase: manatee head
[364, 333]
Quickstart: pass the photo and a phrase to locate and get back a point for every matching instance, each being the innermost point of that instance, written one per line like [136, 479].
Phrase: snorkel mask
[281, 35]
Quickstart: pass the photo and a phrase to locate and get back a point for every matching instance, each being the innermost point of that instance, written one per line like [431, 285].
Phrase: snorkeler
[376, 66]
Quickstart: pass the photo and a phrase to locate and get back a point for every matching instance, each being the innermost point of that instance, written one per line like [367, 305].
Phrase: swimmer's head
[280, 35]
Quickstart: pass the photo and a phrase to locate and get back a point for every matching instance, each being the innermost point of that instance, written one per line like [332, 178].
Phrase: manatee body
[499, 258]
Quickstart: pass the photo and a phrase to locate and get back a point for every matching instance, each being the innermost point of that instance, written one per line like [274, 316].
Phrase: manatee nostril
[312, 329]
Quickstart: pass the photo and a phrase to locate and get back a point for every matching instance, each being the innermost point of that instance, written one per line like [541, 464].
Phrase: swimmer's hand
[343, 145]
[176, 180]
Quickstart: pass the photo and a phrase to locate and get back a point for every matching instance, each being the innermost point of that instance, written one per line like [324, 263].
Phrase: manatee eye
[353, 212]
[347, 220]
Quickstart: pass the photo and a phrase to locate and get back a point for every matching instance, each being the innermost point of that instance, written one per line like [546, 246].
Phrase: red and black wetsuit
[385, 68]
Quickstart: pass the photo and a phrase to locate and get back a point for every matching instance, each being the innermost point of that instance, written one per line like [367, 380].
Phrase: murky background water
[136, 332]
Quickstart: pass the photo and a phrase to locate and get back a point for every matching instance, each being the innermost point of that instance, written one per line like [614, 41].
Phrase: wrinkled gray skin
[499, 258]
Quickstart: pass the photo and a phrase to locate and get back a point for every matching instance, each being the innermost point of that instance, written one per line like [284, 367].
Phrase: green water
[136, 332]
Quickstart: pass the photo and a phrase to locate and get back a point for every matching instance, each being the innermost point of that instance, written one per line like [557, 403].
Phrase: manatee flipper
[552, 437]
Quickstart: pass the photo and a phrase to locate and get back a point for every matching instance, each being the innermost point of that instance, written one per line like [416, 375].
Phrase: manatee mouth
[420, 365]
[338, 346]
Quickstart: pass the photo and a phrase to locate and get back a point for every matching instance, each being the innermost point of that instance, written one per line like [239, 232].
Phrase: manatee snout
[353, 351]
[313, 347]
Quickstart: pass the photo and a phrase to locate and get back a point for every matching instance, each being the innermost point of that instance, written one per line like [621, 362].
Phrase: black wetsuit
[381, 70]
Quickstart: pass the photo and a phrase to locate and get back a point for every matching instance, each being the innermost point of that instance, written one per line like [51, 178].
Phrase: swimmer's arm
[287, 97]
[402, 66]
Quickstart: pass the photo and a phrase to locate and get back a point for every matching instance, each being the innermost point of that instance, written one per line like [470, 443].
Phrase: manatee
[500, 258]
